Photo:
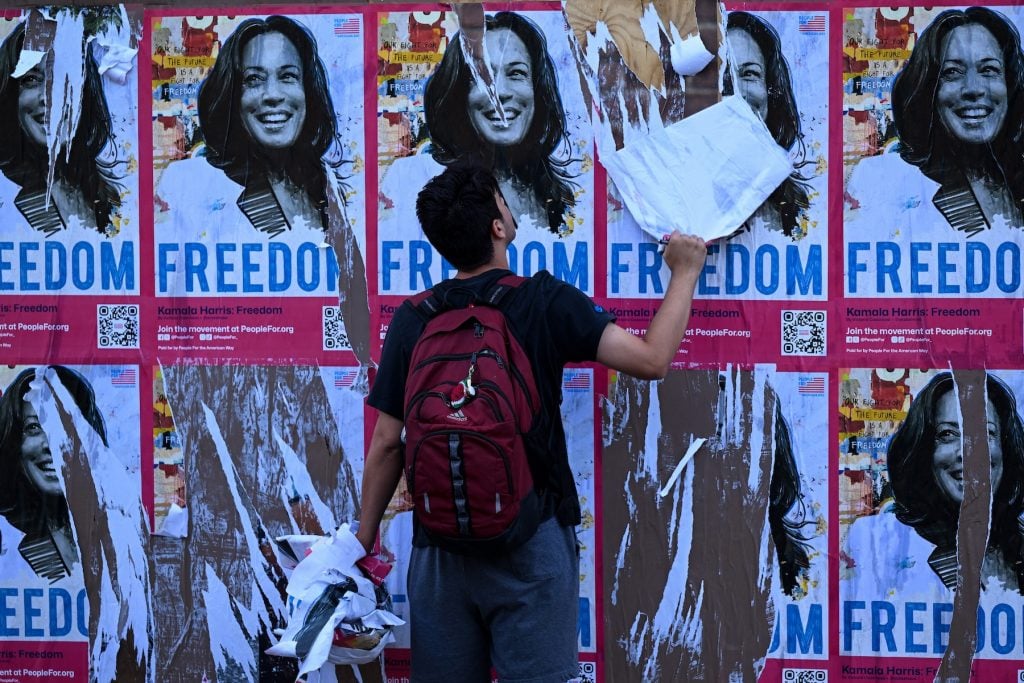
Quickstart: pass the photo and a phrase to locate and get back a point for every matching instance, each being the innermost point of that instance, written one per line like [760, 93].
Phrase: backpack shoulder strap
[497, 292]
[426, 304]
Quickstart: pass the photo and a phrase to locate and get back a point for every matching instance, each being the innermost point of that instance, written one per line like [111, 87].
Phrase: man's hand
[685, 254]
[649, 357]
[381, 473]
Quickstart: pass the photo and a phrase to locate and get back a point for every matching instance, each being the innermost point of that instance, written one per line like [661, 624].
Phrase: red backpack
[470, 403]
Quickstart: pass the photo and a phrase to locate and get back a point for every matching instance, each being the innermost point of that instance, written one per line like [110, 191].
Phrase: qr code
[335, 335]
[588, 672]
[803, 333]
[117, 326]
[804, 676]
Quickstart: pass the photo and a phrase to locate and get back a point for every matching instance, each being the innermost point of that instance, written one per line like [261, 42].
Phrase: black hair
[456, 210]
[791, 548]
[924, 140]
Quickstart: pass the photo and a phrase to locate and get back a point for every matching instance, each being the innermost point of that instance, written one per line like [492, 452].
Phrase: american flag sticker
[344, 378]
[123, 377]
[811, 23]
[575, 380]
[347, 27]
[813, 385]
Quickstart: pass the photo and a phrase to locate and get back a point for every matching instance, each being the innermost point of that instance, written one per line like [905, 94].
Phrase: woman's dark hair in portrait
[229, 146]
[923, 140]
[541, 160]
[27, 508]
[792, 197]
[919, 501]
[784, 495]
[791, 549]
[90, 161]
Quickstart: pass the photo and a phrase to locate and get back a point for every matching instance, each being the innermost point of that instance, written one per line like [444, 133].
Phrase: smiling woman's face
[750, 71]
[32, 104]
[947, 460]
[513, 82]
[971, 96]
[273, 96]
[36, 459]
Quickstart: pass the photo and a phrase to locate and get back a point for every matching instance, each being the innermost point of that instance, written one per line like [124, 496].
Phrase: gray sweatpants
[517, 611]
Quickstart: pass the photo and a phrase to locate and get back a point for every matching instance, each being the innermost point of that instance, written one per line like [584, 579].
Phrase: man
[515, 610]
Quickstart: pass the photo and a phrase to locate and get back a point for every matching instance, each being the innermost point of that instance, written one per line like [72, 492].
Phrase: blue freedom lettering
[249, 268]
[804, 636]
[732, 271]
[424, 267]
[943, 268]
[51, 612]
[56, 267]
[923, 628]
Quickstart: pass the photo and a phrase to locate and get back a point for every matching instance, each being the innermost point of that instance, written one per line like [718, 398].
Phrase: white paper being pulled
[704, 175]
[333, 610]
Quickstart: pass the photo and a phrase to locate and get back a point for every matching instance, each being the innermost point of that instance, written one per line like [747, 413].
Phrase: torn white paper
[117, 60]
[689, 56]
[687, 457]
[704, 175]
[327, 591]
[175, 522]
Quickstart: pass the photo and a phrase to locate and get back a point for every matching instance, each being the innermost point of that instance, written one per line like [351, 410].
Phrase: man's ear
[497, 229]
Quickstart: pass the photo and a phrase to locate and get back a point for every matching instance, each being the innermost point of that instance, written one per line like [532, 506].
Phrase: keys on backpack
[464, 390]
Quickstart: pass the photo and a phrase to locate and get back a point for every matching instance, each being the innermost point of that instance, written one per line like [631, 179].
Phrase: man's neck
[494, 263]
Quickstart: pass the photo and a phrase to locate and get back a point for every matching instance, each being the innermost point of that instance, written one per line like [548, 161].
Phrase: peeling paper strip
[67, 85]
[303, 483]
[27, 60]
[974, 524]
[687, 457]
[121, 609]
[227, 639]
[472, 42]
[271, 595]
[673, 621]
[117, 61]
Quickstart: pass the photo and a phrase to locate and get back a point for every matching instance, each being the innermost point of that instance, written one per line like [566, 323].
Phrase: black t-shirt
[554, 322]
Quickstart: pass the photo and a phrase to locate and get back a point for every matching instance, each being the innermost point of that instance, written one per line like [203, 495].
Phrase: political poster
[928, 560]
[73, 536]
[258, 175]
[932, 222]
[69, 194]
[533, 131]
[678, 568]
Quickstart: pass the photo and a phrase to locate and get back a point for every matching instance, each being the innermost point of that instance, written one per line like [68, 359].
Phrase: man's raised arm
[650, 356]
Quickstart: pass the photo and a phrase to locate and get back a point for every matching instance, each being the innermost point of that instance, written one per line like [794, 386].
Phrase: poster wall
[676, 567]
[207, 221]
